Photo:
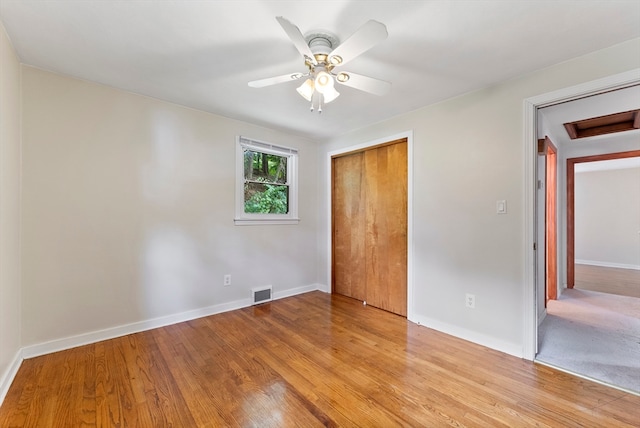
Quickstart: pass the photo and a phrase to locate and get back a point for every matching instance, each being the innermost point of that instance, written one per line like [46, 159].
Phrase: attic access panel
[609, 124]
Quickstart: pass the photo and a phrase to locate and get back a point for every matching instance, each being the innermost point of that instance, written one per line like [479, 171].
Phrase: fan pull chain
[320, 98]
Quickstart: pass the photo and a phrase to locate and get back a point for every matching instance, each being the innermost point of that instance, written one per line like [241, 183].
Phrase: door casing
[408, 135]
[551, 221]
[369, 209]
[571, 235]
[530, 142]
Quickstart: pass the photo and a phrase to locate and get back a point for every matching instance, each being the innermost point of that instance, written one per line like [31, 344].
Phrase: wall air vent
[261, 294]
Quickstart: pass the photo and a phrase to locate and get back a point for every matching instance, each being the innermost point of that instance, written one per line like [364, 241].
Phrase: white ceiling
[551, 119]
[201, 54]
[551, 122]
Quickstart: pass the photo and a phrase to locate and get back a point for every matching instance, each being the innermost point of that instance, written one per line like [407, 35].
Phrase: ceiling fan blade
[275, 80]
[363, 83]
[362, 40]
[297, 38]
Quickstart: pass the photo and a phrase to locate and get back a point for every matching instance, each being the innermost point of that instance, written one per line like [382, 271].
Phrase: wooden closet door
[348, 202]
[386, 227]
[369, 217]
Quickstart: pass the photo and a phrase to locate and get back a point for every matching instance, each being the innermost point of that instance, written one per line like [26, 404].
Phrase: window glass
[266, 188]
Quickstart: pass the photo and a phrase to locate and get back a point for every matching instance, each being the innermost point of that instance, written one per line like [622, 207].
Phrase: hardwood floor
[624, 282]
[310, 360]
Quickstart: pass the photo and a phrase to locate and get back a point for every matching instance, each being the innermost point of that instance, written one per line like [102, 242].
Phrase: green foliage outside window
[266, 189]
[272, 200]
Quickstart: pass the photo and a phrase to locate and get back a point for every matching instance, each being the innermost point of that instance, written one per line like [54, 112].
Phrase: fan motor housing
[321, 42]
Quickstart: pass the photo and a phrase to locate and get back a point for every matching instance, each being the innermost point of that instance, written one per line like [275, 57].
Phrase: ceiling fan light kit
[322, 52]
[342, 77]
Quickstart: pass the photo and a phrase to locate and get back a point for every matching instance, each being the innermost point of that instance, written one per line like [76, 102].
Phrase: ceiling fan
[322, 53]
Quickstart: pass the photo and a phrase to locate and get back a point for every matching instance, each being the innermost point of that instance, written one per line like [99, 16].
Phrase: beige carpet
[593, 334]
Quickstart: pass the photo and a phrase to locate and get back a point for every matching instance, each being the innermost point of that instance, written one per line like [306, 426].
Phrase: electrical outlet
[227, 280]
[470, 300]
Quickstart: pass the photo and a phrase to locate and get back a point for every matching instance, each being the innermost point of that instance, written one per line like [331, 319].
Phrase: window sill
[257, 222]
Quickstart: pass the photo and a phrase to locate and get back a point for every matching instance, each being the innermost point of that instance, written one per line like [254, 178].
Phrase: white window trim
[249, 219]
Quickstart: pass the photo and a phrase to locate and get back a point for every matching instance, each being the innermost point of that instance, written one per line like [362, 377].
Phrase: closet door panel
[386, 227]
[348, 199]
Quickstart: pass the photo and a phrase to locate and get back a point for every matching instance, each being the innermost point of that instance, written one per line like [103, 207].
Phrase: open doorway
[531, 107]
[583, 332]
[607, 226]
[608, 246]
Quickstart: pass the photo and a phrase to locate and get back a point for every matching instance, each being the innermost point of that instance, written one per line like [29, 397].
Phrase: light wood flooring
[310, 360]
[624, 282]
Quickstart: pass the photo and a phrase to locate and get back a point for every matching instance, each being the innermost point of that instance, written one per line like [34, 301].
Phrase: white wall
[607, 217]
[128, 207]
[9, 211]
[468, 153]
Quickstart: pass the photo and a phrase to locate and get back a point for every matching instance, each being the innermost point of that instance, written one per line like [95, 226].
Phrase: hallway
[593, 334]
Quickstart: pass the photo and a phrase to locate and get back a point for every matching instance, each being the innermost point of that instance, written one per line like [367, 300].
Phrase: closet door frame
[408, 135]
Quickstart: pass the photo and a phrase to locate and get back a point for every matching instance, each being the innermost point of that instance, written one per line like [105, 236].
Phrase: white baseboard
[471, 336]
[295, 291]
[607, 264]
[10, 374]
[113, 332]
[324, 287]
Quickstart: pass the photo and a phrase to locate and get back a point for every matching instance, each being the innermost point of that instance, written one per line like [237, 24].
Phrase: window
[266, 183]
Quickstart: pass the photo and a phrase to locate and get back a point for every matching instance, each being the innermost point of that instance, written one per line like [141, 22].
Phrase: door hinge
[539, 184]
[535, 246]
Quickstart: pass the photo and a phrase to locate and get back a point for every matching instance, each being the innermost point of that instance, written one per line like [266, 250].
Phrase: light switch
[501, 207]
